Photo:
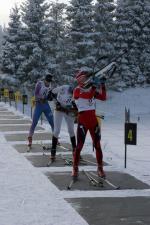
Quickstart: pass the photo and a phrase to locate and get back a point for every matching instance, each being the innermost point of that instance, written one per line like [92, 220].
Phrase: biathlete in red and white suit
[87, 120]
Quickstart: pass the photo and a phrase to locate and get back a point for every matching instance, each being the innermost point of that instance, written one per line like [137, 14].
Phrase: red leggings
[87, 121]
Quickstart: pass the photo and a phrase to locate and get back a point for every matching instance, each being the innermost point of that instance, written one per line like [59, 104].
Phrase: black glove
[50, 96]
[58, 105]
[103, 80]
[74, 105]
[95, 82]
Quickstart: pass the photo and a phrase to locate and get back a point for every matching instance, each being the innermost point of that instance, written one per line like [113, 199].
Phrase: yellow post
[32, 101]
[17, 97]
[6, 93]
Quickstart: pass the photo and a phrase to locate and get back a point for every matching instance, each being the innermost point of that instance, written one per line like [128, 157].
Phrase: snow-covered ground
[28, 197]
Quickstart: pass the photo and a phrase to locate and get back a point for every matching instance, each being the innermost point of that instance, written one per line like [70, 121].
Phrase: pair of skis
[106, 181]
[68, 161]
[48, 148]
[94, 180]
[29, 147]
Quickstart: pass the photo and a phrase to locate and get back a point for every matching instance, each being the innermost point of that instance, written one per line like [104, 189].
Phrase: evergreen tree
[11, 44]
[123, 35]
[1, 41]
[144, 39]
[57, 31]
[132, 32]
[104, 31]
[1, 37]
[80, 37]
[34, 46]
[104, 27]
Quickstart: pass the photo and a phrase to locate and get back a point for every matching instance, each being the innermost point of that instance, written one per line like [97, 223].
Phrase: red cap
[81, 76]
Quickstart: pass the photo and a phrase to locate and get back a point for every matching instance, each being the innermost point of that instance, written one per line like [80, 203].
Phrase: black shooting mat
[23, 137]
[64, 146]
[6, 113]
[22, 148]
[122, 180]
[3, 109]
[113, 211]
[42, 160]
[9, 117]
[18, 128]
[23, 121]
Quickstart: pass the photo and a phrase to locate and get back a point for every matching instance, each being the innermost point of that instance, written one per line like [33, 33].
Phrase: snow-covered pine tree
[1, 41]
[34, 47]
[11, 43]
[104, 30]
[130, 29]
[1, 37]
[104, 27]
[137, 10]
[80, 37]
[57, 50]
[144, 40]
[123, 36]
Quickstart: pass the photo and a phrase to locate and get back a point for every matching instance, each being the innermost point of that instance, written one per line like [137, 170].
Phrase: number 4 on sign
[130, 135]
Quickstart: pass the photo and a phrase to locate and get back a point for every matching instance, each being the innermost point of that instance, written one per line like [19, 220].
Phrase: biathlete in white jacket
[65, 108]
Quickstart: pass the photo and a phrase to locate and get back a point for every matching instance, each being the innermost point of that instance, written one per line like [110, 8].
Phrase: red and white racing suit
[87, 120]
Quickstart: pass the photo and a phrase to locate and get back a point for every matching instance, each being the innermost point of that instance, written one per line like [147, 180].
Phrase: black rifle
[105, 72]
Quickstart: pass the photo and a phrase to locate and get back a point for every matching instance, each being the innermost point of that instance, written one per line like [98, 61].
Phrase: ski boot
[101, 172]
[81, 158]
[29, 144]
[52, 157]
[58, 143]
[75, 172]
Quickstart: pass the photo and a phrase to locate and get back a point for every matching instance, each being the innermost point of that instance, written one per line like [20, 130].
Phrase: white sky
[5, 7]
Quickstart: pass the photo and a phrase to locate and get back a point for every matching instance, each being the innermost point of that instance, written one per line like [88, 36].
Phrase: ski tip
[117, 188]
[48, 164]
[29, 149]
